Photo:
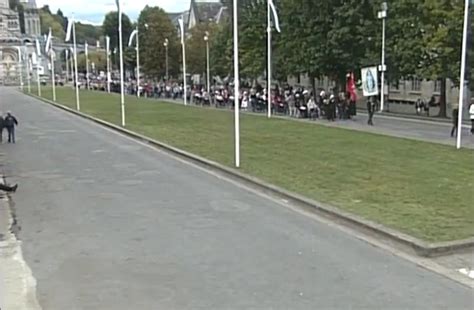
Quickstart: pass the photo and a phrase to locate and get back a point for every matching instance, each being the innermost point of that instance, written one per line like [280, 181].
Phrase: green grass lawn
[422, 189]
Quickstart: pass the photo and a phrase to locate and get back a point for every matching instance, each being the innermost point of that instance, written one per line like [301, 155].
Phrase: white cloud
[94, 10]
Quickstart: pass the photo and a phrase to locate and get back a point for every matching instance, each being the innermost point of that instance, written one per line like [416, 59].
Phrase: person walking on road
[7, 188]
[371, 110]
[2, 126]
[10, 123]
[455, 119]
[471, 116]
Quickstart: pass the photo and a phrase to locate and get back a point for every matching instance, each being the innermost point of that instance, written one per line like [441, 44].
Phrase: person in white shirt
[312, 108]
[471, 115]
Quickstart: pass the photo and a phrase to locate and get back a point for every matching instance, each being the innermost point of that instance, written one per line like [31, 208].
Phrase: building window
[416, 84]
[437, 86]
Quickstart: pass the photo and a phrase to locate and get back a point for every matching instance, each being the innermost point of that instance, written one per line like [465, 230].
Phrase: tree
[98, 58]
[196, 47]
[154, 28]
[110, 28]
[48, 21]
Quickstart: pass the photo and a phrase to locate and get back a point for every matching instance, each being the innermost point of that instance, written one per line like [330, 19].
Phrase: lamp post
[165, 44]
[382, 14]
[206, 39]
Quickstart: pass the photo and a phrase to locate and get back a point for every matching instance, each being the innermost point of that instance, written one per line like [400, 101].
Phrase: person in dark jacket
[371, 110]
[2, 126]
[8, 188]
[455, 119]
[10, 123]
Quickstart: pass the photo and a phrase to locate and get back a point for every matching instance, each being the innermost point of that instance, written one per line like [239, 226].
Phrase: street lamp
[165, 44]
[206, 38]
[382, 14]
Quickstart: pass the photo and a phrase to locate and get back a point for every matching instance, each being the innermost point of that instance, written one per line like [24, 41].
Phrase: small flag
[38, 48]
[48, 41]
[86, 46]
[97, 44]
[275, 15]
[34, 58]
[132, 36]
[107, 45]
[69, 29]
[181, 27]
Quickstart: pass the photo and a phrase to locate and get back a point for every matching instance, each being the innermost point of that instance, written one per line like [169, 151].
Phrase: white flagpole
[38, 75]
[463, 74]
[87, 65]
[138, 64]
[269, 61]
[76, 75]
[28, 68]
[236, 87]
[107, 43]
[53, 73]
[66, 56]
[185, 87]
[122, 94]
[20, 67]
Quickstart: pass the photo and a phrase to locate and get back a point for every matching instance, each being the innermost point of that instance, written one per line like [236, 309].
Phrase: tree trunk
[442, 99]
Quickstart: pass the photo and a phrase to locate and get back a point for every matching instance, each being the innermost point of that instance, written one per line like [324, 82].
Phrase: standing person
[10, 123]
[371, 110]
[471, 115]
[2, 126]
[455, 118]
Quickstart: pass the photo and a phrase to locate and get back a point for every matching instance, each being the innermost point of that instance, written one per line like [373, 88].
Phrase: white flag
[86, 46]
[38, 48]
[132, 36]
[48, 41]
[69, 29]
[34, 58]
[181, 27]
[275, 15]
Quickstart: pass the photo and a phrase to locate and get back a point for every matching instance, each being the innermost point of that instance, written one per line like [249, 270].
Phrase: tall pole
[28, 69]
[87, 65]
[53, 73]
[236, 87]
[76, 75]
[462, 79]
[38, 60]
[166, 47]
[269, 62]
[382, 93]
[66, 56]
[122, 93]
[107, 43]
[185, 87]
[138, 64]
[383, 16]
[208, 74]
[20, 67]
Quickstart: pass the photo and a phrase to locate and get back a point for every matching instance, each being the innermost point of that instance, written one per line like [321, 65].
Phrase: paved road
[108, 223]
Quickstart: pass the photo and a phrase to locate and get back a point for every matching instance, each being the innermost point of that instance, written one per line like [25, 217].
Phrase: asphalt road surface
[108, 223]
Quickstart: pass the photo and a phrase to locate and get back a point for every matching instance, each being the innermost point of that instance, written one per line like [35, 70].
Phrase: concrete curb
[420, 247]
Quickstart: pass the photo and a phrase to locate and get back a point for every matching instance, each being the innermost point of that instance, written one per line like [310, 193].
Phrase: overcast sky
[94, 10]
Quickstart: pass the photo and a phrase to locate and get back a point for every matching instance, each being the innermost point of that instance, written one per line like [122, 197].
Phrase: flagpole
[87, 65]
[185, 90]
[122, 95]
[138, 64]
[236, 87]
[37, 75]
[53, 73]
[76, 75]
[107, 43]
[462, 79]
[20, 67]
[269, 62]
[28, 68]
[66, 56]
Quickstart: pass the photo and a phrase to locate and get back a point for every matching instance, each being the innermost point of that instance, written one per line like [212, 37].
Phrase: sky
[93, 11]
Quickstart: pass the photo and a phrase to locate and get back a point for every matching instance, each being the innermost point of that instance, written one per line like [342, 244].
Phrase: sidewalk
[17, 285]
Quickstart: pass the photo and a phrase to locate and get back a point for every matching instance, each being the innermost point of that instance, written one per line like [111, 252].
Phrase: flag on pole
[181, 27]
[276, 20]
[132, 36]
[107, 45]
[119, 7]
[48, 41]
[86, 47]
[34, 59]
[69, 29]
[38, 48]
